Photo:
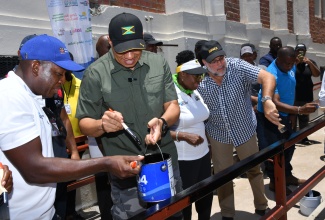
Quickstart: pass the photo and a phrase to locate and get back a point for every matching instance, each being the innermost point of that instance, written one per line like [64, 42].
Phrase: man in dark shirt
[275, 45]
[306, 68]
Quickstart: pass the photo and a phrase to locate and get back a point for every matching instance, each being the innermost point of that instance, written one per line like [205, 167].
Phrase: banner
[71, 23]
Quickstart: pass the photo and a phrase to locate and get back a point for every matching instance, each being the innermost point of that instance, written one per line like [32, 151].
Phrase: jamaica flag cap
[126, 33]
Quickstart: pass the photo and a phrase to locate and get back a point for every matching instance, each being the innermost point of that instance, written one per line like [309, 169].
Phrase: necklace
[186, 91]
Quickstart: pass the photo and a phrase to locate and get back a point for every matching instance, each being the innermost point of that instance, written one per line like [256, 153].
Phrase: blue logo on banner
[68, 3]
[84, 3]
[83, 16]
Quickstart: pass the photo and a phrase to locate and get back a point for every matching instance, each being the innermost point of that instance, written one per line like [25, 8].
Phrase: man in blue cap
[25, 131]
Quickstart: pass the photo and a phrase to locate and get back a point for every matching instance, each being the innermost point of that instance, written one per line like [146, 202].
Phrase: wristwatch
[164, 128]
[265, 98]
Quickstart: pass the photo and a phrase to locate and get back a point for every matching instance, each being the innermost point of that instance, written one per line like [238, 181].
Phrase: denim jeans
[267, 134]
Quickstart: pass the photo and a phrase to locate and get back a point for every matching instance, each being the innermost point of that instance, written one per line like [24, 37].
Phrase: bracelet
[103, 126]
[177, 136]
[299, 110]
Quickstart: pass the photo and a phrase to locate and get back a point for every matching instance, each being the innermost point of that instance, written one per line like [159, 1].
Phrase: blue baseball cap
[47, 48]
[27, 38]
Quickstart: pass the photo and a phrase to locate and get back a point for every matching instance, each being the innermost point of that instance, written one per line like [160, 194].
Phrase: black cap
[149, 39]
[199, 44]
[211, 50]
[301, 47]
[27, 38]
[126, 33]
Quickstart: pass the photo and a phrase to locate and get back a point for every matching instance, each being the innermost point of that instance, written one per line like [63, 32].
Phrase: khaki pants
[222, 157]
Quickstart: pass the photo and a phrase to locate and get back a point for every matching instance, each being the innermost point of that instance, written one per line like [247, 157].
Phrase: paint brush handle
[128, 130]
[135, 138]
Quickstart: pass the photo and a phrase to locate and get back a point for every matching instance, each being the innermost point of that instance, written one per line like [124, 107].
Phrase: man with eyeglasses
[232, 122]
[137, 85]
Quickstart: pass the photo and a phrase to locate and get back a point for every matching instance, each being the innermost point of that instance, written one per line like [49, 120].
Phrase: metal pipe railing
[169, 207]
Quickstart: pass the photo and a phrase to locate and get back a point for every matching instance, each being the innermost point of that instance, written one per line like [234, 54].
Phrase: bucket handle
[163, 167]
[159, 150]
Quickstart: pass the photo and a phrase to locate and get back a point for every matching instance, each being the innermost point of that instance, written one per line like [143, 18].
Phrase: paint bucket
[156, 180]
[309, 202]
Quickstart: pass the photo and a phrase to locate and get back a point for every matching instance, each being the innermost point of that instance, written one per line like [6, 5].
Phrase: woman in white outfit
[189, 132]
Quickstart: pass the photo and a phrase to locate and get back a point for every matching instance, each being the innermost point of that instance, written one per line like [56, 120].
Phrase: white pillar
[215, 11]
[251, 17]
[278, 16]
[190, 6]
[250, 12]
[214, 7]
[301, 19]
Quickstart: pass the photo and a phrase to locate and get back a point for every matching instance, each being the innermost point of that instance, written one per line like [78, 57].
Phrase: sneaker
[292, 180]
[262, 212]
[272, 188]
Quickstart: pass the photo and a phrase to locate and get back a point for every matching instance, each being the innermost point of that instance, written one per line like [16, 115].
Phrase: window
[323, 8]
[317, 7]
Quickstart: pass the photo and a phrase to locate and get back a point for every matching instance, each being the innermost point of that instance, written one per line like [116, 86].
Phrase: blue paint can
[156, 179]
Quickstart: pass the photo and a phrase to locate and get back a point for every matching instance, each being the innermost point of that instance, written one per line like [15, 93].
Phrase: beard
[216, 73]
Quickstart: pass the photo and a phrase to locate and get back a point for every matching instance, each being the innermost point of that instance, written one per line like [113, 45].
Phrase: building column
[251, 17]
[301, 20]
[279, 17]
[215, 11]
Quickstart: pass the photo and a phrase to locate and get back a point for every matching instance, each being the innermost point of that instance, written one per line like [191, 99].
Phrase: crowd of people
[209, 107]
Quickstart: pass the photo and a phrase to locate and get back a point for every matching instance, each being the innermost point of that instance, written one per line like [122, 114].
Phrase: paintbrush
[130, 132]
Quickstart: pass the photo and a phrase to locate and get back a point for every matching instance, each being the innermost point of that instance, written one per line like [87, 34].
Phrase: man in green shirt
[132, 86]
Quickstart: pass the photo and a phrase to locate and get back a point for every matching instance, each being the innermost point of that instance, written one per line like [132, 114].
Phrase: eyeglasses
[218, 59]
[199, 77]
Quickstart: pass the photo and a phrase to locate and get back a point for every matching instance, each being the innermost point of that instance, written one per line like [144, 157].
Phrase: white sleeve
[321, 94]
[17, 122]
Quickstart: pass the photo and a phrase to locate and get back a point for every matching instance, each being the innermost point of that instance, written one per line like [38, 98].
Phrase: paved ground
[306, 161]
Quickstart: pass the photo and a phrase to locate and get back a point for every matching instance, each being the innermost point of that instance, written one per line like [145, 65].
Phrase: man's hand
[112, 121]
[271, 113]
[6, 180]
[121, 166]
[155, 126]
[308, 108]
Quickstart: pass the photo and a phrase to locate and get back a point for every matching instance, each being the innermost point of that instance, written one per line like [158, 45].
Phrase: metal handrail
[169, 207]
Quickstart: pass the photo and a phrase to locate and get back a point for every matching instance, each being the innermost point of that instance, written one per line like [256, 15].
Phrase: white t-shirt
[22, 120]
[191, 120]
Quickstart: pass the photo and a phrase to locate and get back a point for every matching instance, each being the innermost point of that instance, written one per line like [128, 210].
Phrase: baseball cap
[246, 49]
[27, 38]
[199, 44]
[211, 50]
[149, 39]
[47, 48]
[191, 67]
[126, 33]
[301, 47]
[250, 45]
